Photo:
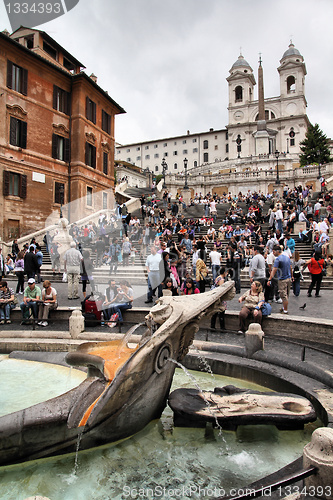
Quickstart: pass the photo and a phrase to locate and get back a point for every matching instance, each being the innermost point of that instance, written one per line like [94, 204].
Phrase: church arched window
[238, 93]
[291, 84]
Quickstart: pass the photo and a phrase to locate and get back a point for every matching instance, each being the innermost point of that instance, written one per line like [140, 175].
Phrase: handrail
[258, 492]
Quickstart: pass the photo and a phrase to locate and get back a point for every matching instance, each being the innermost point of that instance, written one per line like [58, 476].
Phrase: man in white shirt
[215, 259]
[154, 275]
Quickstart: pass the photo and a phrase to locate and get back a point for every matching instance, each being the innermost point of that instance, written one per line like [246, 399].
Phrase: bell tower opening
[291, 84]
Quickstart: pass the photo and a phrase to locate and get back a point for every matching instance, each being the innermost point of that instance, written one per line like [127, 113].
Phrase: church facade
[256, 127]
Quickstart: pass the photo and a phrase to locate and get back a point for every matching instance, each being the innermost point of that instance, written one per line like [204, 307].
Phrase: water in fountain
[203, 361]
[153, 459]
[207, 403]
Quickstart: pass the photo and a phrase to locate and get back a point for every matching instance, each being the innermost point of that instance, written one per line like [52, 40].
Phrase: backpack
[92, 309]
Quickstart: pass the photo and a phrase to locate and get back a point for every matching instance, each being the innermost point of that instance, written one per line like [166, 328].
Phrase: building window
[138, 158]
[147, 157]
[195, 164]
[17, 78]
[146, 147]
[14, 184]
[175, 166]
[156, 155]
[128, 150]
[195, 150]
[50, 51]
[105, 163]
[216, 137]
[166, 154]
[175, 153]
[129, 160]
[205, 157]
[184, 151]
[61, 100]
[60, 148]
[90, 155]
[69, 65]
[165, 144]
[155, 146]
[90, 110]
[18, 133]
[105, 201]
[238, 93]
[59, 193]
[184, 141]
[175, 143]
[138, 148]
[156, 168]
[106, 122]
[226, 135]
[227, 148]
[89, 196]
[291, 84]
[194, 140]
[205, 144]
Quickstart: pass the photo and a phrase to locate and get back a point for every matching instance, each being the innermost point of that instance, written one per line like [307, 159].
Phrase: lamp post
[164, 168]
[318, 159]
[277, 154]
[185, 168]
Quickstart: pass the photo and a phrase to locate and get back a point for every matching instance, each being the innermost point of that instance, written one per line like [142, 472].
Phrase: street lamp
[277, 154]
[318, 159]
[185, 168]
[164, 168]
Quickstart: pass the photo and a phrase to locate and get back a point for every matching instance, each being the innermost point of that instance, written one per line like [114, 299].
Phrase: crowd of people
[185, 254]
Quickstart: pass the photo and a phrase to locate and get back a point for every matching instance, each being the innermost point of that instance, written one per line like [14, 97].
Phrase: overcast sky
[166, 61]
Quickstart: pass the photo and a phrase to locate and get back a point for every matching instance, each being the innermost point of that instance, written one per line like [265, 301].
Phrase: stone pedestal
[76, 323]
[319, 453]
[186, 194]
[254, 339]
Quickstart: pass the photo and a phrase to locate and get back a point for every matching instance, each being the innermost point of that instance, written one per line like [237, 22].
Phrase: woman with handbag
[201, 272]
[316, 266]
[253, 300]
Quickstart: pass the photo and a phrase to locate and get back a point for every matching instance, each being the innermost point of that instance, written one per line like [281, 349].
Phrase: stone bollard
[76, 323]
[319, 453]
[254, 339]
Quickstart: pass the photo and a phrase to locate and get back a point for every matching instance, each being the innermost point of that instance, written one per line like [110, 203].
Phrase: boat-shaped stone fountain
[126, 386]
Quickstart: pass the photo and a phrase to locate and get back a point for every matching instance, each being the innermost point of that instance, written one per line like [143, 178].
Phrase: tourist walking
[283, 271]
[316, 266]
[72, 265]
[297, 264]
[19, 271]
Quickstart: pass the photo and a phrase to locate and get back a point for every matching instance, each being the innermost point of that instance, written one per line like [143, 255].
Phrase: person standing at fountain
[72, 264]
[49, 298]
[154, 276]
[32, 296]
[7, 303]
[252, 306]
[283, 271]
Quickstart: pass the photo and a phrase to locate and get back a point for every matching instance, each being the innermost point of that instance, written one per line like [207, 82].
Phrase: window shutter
[24, 85]
[105, 163]
[23, 141]
[9, 74]
[93, 112]
[93, 157]
[5, 183]
[54, 146]
[12, 133]
[55, 97]
[23, 186]
[66, 150]
[87, 154]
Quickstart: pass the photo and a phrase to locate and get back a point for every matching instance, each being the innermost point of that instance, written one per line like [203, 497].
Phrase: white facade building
[285, 125]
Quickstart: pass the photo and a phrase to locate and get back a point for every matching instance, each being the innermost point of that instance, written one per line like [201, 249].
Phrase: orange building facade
[56, 135]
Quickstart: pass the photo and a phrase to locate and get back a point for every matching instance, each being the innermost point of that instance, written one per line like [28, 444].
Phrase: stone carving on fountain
[126, 386]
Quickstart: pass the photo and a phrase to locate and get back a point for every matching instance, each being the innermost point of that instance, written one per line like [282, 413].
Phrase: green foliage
[314, 147]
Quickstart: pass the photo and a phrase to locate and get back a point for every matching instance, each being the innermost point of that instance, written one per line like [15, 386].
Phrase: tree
[314, 147]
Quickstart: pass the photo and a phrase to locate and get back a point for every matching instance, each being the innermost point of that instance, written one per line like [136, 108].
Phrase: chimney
[93, 77]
